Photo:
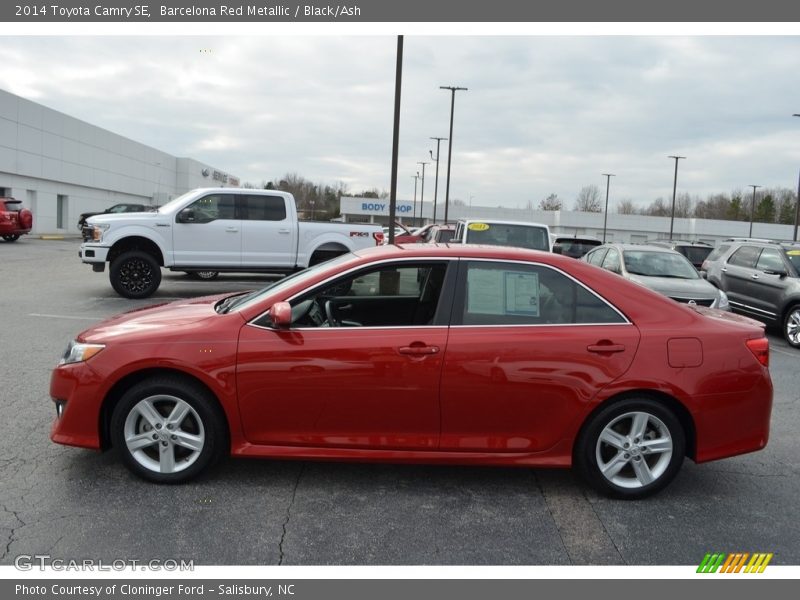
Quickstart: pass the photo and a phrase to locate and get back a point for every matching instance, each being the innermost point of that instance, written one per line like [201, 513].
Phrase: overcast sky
[542, 115]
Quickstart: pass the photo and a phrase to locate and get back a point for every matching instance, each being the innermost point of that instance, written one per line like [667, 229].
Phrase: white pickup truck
[212, 230]
[520, 234]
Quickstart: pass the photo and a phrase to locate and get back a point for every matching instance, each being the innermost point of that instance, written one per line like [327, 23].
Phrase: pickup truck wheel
[791, 326]
[135, 274]
[204, 275]
[11, 237]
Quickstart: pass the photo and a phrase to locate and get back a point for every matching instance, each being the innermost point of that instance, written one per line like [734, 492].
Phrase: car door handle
[754, 276]
[724, 269]
[231, 229]
[284, 231]
[603, 348]
[418, 350]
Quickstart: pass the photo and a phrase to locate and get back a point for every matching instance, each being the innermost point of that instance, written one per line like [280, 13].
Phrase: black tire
[204, 275]
[135, 274]
[791, 326]
[321, 256]
[642, 456]
[203, 426]
[11, 237]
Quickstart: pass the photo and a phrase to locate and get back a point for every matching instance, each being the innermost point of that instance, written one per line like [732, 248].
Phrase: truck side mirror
[186, 216]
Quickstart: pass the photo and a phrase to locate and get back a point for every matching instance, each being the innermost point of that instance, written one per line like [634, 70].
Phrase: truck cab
[519, 234]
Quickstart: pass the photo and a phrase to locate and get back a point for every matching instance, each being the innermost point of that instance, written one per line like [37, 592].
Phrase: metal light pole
[608, 177]
[415, 178]
[422, 192]
[436, 185]
[398, 81]
[797, 204]
[674, 188]
[453, 91]
[752, 208]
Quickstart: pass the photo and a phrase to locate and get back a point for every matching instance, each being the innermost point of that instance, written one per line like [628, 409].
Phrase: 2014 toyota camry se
[462, 355]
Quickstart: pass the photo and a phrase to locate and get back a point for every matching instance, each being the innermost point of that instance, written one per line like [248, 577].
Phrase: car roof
[625, 246]
[679, 243]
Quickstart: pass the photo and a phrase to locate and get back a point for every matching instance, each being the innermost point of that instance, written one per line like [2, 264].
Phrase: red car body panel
[513, 395]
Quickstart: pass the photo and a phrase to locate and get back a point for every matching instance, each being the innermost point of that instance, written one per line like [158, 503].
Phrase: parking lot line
[65, 317]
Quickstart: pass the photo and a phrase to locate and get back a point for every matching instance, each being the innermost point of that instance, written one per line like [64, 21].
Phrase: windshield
[659, 264]
[506, 234]
[248, 300]
[179, 199]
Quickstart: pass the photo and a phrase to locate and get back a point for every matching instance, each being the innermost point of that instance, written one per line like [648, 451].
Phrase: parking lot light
[608, 177]
[752, 208]
[674, 188]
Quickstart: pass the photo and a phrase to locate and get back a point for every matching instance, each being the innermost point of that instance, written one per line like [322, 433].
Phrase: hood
[112, 218]
[174, 319]
[678, 288]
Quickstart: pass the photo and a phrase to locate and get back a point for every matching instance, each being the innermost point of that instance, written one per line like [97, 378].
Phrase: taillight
[378, 237]
[760, 349]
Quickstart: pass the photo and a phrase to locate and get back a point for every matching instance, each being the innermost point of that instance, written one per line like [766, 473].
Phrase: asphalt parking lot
[75, 504]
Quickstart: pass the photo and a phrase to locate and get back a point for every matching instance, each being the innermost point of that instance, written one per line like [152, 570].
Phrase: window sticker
[478, 226]
[494, 292]
[522, 294]
[793, 252]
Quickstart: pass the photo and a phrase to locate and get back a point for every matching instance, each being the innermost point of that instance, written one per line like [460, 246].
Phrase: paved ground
[75, 504]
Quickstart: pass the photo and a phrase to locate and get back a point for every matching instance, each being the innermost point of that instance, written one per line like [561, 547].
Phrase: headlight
[98, 231]
[77, 352]
[722, 301]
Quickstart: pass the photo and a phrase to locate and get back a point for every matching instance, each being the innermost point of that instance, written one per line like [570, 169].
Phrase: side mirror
[186, 216]
[281, 315]
[779, 272]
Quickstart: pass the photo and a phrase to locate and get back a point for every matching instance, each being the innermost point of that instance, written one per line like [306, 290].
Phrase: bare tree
[552, 202]
[626, 207]
[588, 199]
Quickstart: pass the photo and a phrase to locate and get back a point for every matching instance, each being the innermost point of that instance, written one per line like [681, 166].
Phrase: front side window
[770, 260]
[611, 261]
[517, 294]
[209, 208]
[392, 295]
[744, 257]
[596, 256]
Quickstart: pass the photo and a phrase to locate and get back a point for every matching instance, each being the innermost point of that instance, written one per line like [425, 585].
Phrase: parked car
[412, 236]
[213, 230]
[14, 219]
[696, 252]
[574, 246]
[125, 207]
[518, 234]
[762, 280]
[440, 234]
[661, 269]
[424, 353]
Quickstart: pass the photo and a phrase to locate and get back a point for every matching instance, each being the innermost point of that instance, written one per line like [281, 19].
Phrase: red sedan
[469, 355]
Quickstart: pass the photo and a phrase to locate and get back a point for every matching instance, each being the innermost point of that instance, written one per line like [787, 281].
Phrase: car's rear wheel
[791, 326]
[11, 237]
[631, 449]
[135, 274]
[168, 430]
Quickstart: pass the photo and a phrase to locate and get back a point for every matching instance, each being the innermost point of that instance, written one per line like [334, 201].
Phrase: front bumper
[76, 388]
[93, 253]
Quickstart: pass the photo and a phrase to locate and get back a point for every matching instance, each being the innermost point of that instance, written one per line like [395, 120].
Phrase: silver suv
[762, 280]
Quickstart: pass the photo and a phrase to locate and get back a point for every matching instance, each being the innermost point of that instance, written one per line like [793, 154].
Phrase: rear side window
[516, 294]
[717, 252]
[596, 256]
[612, 262]
[263, 208]
[744, 257]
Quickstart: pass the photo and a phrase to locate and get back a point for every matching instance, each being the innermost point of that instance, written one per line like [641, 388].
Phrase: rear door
[269, 236]
[767, 288]
[528, 347]
[736, 274]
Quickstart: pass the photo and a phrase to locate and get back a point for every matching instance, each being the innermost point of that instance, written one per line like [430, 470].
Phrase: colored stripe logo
[738, 562]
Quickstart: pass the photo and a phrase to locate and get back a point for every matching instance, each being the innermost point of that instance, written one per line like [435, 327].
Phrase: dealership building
[60, 167]
[620, 228]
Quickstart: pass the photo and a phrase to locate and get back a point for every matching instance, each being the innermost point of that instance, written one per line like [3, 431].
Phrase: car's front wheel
[168, 430]
[631, 449]
[791, 326]
[11, 237]
[135, 274]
